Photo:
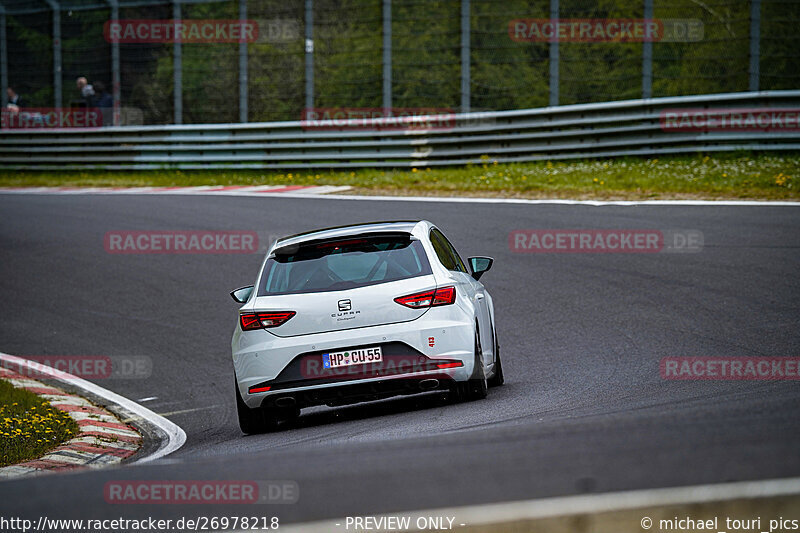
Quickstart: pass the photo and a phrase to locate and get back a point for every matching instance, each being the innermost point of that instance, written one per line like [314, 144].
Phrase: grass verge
[766, 176]
[30, 426]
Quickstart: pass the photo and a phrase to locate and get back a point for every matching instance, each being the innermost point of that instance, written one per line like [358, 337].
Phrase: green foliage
[29, 425]
[426, 53]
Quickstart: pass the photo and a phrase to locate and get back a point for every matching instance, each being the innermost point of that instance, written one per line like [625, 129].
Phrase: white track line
[322, 192]
[531, 201]
[175, 435]
[498, 513]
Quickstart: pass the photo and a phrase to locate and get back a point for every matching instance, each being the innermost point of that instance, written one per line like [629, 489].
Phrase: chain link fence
[275, 60]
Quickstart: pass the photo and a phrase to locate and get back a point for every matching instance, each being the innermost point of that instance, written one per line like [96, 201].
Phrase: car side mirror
[479, 265]
[242, 294]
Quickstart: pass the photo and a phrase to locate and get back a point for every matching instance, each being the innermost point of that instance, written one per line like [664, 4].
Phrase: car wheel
[476, 387]
[252, 421]
[497, 378]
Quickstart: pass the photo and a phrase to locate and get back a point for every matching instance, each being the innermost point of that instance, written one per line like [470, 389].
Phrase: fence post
[647, 55]
[3, 59]
[554, 56]
[387, 57]
[309, 54]
[755, 44]
[177, 68]
[243, 65]
[465, 56]
[116, 89]
[56, 52]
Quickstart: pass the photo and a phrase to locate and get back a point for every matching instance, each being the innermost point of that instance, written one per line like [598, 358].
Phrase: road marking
[149, 398]
[171, 413]
[330, 192]
[174, 436]
[543, 201]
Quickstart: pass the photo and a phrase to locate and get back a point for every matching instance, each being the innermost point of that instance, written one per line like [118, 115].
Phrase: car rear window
[343, 264]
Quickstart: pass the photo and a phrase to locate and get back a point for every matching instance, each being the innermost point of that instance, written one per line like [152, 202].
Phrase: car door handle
[479, 296]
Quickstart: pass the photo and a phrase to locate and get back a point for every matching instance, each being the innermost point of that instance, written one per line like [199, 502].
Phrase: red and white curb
[216, 190]
[103, 439]
[162, 436]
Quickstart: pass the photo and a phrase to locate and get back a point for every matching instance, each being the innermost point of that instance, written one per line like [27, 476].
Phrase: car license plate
[357, 356]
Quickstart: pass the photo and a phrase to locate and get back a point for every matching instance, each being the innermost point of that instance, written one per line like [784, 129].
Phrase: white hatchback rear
[360, 313]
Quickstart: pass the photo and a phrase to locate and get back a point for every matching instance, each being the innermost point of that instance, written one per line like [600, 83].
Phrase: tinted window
[343, 264]
[446, 252]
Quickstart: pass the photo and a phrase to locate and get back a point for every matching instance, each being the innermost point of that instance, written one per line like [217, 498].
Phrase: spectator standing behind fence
[104, 101]
[87, 91]
[14, 101]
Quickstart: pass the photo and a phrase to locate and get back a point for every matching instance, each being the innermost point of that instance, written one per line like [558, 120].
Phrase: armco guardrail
[626, 128]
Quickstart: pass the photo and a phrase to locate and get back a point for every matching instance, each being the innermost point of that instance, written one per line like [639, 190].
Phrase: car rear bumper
[411, 353]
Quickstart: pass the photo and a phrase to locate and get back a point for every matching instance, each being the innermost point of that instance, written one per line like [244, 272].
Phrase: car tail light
[251, 321]
[451, 364]
[440, 296]
[252, 390]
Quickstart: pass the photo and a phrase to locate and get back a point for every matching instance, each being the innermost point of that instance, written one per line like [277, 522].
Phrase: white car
[360, 313]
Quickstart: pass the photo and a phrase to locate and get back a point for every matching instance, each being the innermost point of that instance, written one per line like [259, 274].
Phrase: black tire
[476, 387]
[253, 421]
[497, 378]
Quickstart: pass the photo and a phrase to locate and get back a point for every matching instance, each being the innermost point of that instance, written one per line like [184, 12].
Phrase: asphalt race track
[584, 408]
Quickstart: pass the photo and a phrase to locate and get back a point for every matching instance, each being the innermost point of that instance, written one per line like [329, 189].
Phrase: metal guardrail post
[3, 58]
[387, 56]
[309, 54]
[116, 88]
[57, 88]
[554, 57]
[243, 65]
[755, 44]
[177, 68]
[465, 56]
[647, 56]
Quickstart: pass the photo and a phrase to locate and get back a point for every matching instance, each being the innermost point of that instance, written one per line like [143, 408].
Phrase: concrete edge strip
[564, 506]
[330, 192]
[87, 449]
[170, 437]
[542, 201]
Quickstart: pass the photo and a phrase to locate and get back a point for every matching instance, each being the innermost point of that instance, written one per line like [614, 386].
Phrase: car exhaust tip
[429, 384]
[285, 401]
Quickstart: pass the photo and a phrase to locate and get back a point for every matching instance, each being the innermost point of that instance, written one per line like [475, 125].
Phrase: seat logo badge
[431, 341]
[344, 305]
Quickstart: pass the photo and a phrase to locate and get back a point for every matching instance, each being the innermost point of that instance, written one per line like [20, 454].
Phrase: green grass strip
[30, 426]
[764, 176]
